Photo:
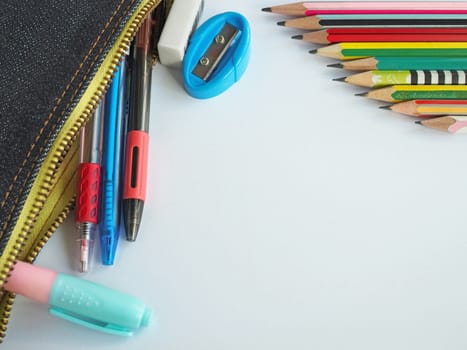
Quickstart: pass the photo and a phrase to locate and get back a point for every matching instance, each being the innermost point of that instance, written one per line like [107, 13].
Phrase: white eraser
[179, 25]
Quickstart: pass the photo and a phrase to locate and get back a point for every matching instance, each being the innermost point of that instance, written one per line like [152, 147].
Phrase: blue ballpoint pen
[114, 118]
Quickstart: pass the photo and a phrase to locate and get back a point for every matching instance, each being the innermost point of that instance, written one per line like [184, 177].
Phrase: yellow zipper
[51, 196]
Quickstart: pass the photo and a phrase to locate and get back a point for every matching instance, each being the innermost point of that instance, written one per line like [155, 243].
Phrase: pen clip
[90, 322]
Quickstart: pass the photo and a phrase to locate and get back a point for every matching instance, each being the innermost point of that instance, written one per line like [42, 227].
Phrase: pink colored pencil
[369, 7]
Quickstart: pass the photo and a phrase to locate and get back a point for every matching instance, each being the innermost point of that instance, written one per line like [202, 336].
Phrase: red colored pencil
[337, 35]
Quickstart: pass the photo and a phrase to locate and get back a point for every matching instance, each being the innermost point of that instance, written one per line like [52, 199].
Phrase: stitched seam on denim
[8, 219]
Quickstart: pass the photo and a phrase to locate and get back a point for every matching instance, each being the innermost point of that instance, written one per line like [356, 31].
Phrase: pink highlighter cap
[31, 281]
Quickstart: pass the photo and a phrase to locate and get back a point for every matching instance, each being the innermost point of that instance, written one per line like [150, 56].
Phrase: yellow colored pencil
[354, 50]
[429, 108]
[397, 93]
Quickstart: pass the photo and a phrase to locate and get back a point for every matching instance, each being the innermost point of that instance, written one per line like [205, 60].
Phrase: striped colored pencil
[352, 7]
[403, 63]
[378, 78]
[348, 51]
[349, 35]
[429, 108]
[450, 123]
[376, 21]
[398, 93]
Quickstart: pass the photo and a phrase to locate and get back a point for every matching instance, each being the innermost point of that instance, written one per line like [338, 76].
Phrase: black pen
[136, 155]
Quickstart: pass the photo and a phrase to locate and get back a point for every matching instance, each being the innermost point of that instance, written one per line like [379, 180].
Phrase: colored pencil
[348, 35]
[396, 93]
[378, 78]
[375, 21]
[429, 108]
[450, 123]
[403, 63]
[349, 51]
[351, 7]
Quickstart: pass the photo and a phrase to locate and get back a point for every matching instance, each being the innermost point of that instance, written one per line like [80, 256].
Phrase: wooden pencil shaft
[402, 45]
[396, 30]
[429, 108]
[442, 109]
[412, 92]
[346, 51]
[321, 37]
[382, 23]
[311, 8]
[395, 16]
[450, 123]
[406, 63]
[359, 53]
[378, 78]
[316, 23]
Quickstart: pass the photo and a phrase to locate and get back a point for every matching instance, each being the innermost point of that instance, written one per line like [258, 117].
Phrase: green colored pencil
[354, 50]
[403, 63]
[398, 93]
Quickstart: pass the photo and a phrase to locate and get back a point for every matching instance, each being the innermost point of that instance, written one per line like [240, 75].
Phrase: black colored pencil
[323, 21]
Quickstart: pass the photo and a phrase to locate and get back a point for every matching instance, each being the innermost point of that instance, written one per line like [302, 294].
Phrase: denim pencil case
[57, 58]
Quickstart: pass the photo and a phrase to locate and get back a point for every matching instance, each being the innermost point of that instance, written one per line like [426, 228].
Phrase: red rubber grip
[136, 165]
[87, 197]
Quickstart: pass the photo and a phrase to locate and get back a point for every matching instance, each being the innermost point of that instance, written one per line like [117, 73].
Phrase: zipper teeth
[52, 169]
[58, 221]
[6, 314]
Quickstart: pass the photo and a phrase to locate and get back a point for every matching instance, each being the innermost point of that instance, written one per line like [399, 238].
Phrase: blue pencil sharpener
[217, 55]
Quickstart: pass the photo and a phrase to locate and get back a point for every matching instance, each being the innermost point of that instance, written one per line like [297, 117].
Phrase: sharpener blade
[212, 56]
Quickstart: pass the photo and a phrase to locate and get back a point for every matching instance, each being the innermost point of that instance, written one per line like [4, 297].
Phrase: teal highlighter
[80, 301]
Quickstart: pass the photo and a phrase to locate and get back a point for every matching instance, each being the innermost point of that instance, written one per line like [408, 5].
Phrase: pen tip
[281, 23]
[108, 247]
[266, 9]
[336, 65]
[83, 266]
[132, 231]
[340, 79]
[298, 37]
[132, 214]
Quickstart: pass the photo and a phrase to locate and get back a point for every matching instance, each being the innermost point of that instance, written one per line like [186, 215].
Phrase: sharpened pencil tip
[281, 23]
[313, 52]
[385, 107]
[363, 94]
[336, 65]
[340, 79]
[266, 9]
[419, 122]
[298, 37]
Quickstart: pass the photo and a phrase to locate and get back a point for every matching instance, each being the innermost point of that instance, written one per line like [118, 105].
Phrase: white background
[286, 213]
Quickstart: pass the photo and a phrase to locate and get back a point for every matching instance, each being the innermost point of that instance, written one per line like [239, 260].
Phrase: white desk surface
[286, 213]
